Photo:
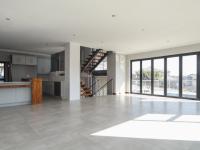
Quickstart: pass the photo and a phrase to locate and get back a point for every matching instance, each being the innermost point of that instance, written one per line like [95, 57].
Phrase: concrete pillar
[70, 87]
[111, 71]
[117, 71]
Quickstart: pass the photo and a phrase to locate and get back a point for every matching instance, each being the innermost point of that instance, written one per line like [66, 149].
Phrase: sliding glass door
[173, 76]
[189, 76]
[135, 77]
[158, 73]
[146, 77]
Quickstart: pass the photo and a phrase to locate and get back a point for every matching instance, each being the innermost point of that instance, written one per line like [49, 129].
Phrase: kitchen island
[15, 93]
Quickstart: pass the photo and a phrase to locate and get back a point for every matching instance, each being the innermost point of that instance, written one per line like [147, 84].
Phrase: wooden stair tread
[93, 60]
[85, 91]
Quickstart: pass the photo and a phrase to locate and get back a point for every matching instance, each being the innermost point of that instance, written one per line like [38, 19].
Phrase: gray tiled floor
[62, 125]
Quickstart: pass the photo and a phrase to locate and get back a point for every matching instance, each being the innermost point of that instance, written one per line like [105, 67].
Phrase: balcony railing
[188, 87]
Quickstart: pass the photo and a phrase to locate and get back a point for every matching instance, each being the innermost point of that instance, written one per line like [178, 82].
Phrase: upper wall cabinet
[19, 59]
[31, 60]
[24, 60]
[58, 61]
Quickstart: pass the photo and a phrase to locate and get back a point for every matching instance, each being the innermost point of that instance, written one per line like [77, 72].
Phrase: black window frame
[180, 56]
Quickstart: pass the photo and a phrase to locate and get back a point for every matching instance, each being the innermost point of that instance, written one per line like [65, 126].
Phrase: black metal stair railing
[93, 85]
[108, 86]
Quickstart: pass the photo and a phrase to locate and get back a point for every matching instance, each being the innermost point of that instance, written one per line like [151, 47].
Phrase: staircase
[91, 62]
[85, 91]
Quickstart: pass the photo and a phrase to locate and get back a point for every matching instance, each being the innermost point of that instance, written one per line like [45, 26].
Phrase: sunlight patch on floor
[189, 118]
[155, 117]
[156, 129]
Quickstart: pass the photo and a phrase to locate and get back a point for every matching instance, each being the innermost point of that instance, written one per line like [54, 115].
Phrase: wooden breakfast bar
[20, 93]
[15, 85]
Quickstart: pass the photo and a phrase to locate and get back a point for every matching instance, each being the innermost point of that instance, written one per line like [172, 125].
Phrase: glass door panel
[146, 77]
[189, 78]
[158, 76]
[173, 76]
[136, 76]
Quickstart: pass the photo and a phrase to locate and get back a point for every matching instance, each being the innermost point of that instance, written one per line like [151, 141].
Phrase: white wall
[157, 53]
[70, 87]
[120, 73]
[74, 71]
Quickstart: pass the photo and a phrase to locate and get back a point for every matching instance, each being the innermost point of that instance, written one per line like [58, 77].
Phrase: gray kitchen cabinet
[31, 60]
[58, 61]
[24, 60]
[19, 59]
[48, 88]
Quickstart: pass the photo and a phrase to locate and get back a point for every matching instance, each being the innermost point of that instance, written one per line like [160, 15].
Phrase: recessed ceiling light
[142, 29]
[113, 15]
[7, 19]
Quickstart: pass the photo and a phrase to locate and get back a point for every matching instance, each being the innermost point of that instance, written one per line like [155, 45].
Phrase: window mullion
[180, 75]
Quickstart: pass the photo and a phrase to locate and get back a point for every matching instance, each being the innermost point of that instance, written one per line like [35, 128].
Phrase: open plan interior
[99, 75]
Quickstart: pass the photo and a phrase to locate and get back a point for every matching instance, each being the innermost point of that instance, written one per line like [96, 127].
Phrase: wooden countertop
[15, 85]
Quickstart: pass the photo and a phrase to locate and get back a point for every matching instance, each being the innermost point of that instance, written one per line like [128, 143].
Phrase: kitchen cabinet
[62, 61]
[48, 88]
[58, 61]
[51, 88]
[24, 60]
[18, 59]
[55, 62]
[31, 60]
[57, 89]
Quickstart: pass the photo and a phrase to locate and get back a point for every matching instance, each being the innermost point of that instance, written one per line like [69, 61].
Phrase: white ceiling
[139, 25]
